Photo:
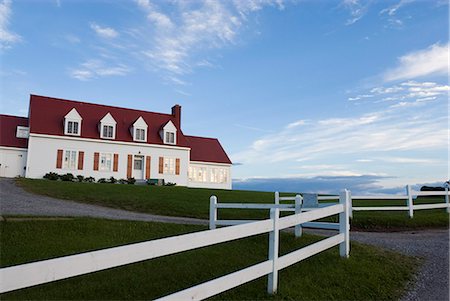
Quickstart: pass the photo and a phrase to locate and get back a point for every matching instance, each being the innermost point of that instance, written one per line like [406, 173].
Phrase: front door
[138, 167]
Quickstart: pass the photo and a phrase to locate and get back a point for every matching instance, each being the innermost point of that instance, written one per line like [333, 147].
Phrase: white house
[65, 136]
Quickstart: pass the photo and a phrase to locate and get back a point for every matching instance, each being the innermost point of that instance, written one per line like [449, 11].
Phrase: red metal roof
[47, 117]
[8, 129]
[207, 150]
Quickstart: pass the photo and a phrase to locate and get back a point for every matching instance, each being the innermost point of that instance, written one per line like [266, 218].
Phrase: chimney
[176, 112]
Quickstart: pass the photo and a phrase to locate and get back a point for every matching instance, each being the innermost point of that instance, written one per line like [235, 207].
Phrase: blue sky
[319, 95]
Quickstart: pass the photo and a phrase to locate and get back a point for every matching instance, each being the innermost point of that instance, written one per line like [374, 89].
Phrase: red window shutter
[96, 157]
[147, 167]
[129, 166]
[80, 160]
[116, 162]
[59, 157]
[161, 165]
[177, 166]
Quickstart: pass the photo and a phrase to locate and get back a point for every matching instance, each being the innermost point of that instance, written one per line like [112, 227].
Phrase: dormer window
[170, 138]
[169, 133]
[139, 130]
[107, 127]
[72, 123]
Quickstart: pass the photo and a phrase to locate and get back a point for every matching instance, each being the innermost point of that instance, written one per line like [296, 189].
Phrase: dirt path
[432, 281]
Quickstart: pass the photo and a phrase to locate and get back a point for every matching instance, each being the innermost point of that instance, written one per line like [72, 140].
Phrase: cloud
[104, 32]
[7, 37]
[392, 10]
[96, 68]
[433, 60]
[179, 37]
[360, 184]
[357, 10]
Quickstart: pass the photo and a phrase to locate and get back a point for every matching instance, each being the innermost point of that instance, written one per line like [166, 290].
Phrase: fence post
[350, 204]
[272, 283]
[212, 212]
[410, 201]
[298, 209]
[277, 198]
[344, 224]
[446, 198]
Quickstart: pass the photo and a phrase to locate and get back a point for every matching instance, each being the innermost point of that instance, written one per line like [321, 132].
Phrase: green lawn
[194, 202]
[369, 274]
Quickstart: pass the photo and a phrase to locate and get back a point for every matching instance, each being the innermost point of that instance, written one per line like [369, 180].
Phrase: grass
[194, 202]
[369, 274]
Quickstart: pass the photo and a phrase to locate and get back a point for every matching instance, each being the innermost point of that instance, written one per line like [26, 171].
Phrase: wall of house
[43, 149]
[12, 161]
[207, 175]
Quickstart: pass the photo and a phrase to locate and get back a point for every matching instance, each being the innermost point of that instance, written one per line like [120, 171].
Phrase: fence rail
[408, 197]
[30, 274]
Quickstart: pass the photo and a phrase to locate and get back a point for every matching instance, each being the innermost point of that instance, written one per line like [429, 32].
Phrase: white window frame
[135, 135]
[168, 135]
[73, 121]
[104, 166]
[102, 133]
[68, 164]
[72, 117]
[169, 166]
[198, 174]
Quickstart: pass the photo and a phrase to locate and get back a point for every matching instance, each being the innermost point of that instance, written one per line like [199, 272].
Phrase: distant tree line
[433, 188]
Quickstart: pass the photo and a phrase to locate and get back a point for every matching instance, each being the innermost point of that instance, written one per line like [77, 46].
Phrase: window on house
[70, 159]
[140, 135]
[169, 166]
[108, 131]
[197, 174]
[72, 127]
[22, 132]
[105, 162]
[170, 137]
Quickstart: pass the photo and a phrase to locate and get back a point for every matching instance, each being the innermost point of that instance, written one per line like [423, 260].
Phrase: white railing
[408, 198]
[30, 274]
[296, 207]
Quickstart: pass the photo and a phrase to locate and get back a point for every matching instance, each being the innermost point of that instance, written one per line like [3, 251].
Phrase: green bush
[131, 180]
[51, 176]
[122, 181]
[102, 180]
[68, 177]
[112, 180]
[170, 184]
[89, 179]
[80, 178]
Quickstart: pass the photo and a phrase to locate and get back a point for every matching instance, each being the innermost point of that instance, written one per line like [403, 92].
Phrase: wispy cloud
[7, 37]
[433, 60]
[104, 32]
[96, 68]
[357, 10]
[392, 10]
[177, 39]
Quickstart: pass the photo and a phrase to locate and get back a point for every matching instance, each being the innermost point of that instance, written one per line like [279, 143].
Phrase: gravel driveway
[16, 201]
[432, 281]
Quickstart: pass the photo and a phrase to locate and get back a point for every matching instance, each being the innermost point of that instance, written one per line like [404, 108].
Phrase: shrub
[170, 184]
[68, 177]
[122, 181]
[51, 176]
[102, 180]
[80, 178]
[112, 180]
[131, 180]
[89, 179]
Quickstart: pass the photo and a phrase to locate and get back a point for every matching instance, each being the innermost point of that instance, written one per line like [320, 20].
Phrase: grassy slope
[194, 202]
[368, 274]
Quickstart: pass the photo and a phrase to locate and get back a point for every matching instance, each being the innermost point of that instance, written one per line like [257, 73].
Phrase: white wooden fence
[408, 198]
[30, 274]
[296, 207]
